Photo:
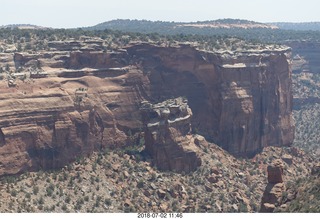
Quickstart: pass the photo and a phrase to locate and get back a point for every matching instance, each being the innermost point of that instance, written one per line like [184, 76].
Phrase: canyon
[78, 98]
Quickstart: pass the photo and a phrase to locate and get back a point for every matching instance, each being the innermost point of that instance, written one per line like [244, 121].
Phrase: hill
[244, 29]
[146, 26]
[24, 26]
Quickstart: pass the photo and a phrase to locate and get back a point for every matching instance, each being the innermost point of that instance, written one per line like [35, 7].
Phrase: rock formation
[168, 136]
[273, 193]
[89, 99]
[241, 101]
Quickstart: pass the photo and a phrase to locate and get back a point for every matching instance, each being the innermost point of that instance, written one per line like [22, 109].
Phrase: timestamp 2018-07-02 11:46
[160, 215]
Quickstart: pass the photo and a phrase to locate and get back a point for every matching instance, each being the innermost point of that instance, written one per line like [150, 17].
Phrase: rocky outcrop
[90, 99]
[275, 172]
[273, 193]
[168, 136]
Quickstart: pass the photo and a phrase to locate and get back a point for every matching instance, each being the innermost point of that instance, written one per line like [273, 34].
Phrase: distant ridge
[161, 26]
[229, 23]
[147, 26]
[303, 26]
[24, 26]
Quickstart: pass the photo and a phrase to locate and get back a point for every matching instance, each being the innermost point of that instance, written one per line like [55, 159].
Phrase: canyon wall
[306, 55]
[88, 100]
[241, 101]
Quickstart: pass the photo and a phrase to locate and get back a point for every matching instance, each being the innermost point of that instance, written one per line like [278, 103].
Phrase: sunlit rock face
[87, 99]
[240, 100]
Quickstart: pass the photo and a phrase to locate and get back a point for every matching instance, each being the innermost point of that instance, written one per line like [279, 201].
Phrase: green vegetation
[36, 40]
[306, 92]
[307, 198]
[172, 28]
[307, 126]
[121, 32]
[305, 26]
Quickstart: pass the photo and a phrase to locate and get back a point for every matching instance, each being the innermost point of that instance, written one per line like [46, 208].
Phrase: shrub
[107, 201]
[35, 190]
[140, 184]
[14, 193]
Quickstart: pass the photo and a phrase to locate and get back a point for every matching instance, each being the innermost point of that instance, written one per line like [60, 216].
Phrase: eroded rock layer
[86, 99]
[168, 136]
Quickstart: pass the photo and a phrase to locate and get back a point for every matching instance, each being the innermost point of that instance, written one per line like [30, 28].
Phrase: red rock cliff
[241, 101]
[90, 100]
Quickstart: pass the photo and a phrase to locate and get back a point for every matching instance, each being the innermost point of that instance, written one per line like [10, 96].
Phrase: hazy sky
[80, 13]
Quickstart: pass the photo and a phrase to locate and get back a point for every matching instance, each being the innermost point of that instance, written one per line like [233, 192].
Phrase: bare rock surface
[275, 172]
[272, 195]
[241, 100]
[168, 135]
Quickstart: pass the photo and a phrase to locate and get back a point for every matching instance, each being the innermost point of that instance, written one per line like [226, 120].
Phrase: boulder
[267, 208]
[164, 207]
[287, 158]
[213, 179]
[128, 203]
[275, 172]
[215, 170]
[161, 194]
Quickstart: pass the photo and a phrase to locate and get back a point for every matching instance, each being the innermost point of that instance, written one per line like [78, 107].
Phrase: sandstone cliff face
[50, 124]
[168, 136]
[241, 101]
[90, 100]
